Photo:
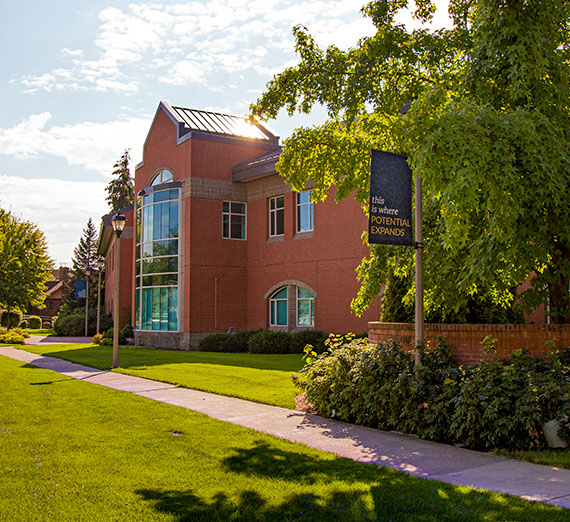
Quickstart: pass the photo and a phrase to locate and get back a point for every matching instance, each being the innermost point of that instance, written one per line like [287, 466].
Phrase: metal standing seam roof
[221, 123]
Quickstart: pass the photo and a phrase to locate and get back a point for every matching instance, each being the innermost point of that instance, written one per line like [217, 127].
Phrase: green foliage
[12, 337]
[24, 324]
[121, 190]
[302, 338]
[84, 264]
[21, 332]
[496, 404]
[125, 332]
[488, 132]
[10, 319]
[233, 342]
[25, 266]
[267, 341]
[72, 325]
[97, 338]
[34, 322]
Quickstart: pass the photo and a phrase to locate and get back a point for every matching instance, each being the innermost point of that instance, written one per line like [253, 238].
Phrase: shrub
[46, 325]
[496, 404]
[70, 325]
[97, 338]
[24, 324]
[267, 341]
[34, 322]
[108, 335]
[126, 332]
[10, 319]
[106, 342]
[315, 338]
[214, 342]
[11, 337]
[21, 332]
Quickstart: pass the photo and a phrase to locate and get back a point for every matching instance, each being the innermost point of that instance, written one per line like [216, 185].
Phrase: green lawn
[255, 377]
[70, 450]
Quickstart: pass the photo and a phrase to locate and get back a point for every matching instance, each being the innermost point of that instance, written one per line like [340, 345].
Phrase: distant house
[222, 243]
[54, 295]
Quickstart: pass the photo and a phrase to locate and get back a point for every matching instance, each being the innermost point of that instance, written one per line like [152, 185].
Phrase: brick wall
[465, 339]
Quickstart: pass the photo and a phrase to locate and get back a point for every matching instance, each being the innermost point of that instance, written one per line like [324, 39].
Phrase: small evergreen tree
[121, 189]
[84, 259]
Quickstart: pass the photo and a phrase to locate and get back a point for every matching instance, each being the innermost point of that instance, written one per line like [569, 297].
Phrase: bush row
[263, 341]
[73, 325]
[106, 338]
[495, 404]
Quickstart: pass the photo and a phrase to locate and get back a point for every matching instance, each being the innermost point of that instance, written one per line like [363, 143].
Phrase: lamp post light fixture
[87, 272]
[100, 266]
[118, 222]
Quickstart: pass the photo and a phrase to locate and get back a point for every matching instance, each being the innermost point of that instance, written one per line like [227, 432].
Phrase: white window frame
[299, 206]
[158, 178]
[229, 213]
[311, 307]
[272, 301]
[273, 213]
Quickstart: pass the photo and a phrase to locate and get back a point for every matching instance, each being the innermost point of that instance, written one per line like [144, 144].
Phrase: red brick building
[223, 243]
[107, 248]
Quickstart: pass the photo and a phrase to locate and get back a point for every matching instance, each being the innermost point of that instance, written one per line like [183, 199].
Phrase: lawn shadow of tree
[336, 489]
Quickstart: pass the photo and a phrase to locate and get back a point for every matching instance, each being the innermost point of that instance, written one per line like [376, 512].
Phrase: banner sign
[80, 288]
[390, 219]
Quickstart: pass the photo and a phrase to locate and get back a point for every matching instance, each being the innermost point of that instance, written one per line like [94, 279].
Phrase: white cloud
[61, 209]
[185, 42]
[93, 146]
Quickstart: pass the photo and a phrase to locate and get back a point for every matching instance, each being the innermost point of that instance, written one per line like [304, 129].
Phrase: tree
[25, 266]
[121, 190]
[84, 262]
[488, 131]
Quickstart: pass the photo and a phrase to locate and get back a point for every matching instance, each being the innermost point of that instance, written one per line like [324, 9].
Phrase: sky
[81, 81]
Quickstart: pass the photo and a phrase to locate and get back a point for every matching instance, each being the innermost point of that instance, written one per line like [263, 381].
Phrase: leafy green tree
[121, 190]
[487, 129]
[25, 265]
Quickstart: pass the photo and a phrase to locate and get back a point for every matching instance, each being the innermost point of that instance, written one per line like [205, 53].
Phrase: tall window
[233, 220]
[304, 211]
[156, 298]
[305, 308]
[276, 216]
[278, 308]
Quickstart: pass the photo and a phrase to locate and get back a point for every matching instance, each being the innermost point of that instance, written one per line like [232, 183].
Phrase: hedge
[496, 404]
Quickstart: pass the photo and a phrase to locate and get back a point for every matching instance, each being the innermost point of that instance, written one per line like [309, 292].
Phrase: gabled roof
[215, 125]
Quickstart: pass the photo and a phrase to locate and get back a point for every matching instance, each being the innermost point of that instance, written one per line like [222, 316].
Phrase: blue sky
[81, 81]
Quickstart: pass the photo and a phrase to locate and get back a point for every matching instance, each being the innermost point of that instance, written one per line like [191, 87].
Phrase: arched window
[278, 308]
[164, 176]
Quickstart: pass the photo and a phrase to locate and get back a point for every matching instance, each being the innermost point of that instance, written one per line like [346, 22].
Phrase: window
[304, 211]
[164, 176]
[305, 308]
[233, 220]
[276, 216]
[156, 296]
[278, 308]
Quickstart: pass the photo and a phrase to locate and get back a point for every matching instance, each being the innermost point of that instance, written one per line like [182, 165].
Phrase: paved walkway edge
[417, 457]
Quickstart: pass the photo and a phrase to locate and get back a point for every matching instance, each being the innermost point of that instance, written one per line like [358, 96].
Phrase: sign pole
[419, 246]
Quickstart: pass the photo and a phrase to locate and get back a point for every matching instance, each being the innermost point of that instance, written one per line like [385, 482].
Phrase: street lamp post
[100, 265]
[87, 273]
[118, 223]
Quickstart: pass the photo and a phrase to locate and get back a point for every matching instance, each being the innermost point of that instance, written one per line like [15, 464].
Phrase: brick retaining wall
[465, 339]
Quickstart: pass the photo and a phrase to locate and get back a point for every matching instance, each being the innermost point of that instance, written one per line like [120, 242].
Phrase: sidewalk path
[402, 452]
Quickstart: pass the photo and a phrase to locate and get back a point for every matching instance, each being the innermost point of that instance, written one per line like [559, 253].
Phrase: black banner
[390, 221]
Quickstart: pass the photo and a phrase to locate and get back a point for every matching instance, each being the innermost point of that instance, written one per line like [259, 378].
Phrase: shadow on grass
[336, 489]
[131, 357]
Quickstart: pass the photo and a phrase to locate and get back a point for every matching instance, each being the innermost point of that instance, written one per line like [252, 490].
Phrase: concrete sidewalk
[402, 452]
